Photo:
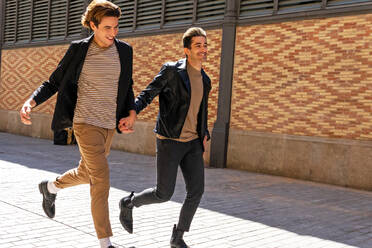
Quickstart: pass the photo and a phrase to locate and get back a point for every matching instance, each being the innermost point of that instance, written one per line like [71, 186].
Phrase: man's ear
[186, 51]
[92, 26]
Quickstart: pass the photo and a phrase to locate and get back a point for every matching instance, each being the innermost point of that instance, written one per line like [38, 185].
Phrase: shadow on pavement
[323, 211]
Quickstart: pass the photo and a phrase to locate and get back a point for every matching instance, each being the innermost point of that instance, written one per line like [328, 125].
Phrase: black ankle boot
[126, 213]
[177, 239]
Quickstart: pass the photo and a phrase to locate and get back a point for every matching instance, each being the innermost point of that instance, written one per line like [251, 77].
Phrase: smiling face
[106, 31]
[198, 49]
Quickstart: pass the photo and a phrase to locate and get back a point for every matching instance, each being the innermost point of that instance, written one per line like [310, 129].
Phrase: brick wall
[23, 70]
[311, 78]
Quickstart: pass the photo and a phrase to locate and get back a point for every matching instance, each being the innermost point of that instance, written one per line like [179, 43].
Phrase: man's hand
[126, 125]
[26, 110]
[205, 142]
[124, 129]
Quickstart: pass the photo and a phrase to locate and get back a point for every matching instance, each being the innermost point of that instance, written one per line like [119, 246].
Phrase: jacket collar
[182, 71]
[88, 40]
[181, 64]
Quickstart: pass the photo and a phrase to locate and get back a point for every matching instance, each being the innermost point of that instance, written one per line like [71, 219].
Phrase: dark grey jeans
[170, 154]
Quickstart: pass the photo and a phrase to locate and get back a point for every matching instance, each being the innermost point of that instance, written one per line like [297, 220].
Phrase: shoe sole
[41, 191]
[120, 218]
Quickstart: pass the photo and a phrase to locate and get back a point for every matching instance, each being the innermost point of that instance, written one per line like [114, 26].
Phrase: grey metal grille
[178, 12]
[35, 21]
[208, 10]
[256, 7]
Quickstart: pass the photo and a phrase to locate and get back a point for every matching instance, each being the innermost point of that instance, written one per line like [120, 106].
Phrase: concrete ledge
[141, 141]
[332, 161]
[10, 122]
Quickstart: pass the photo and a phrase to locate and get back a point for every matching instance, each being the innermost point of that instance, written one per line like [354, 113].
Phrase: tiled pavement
[239, 209]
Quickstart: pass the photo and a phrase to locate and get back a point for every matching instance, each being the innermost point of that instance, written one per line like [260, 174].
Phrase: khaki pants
[94, 145]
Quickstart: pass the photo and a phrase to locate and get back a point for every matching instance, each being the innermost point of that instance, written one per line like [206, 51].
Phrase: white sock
[52, 188]
[105, 242]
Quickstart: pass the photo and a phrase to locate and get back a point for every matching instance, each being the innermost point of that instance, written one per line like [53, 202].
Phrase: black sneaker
[126, 213]
[48, 199]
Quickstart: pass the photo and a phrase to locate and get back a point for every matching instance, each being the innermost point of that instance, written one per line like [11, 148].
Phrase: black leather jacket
[172, 84]
[64, 80]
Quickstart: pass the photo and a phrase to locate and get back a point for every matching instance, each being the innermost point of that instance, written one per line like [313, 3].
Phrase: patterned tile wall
[311, 77]
[23, 70]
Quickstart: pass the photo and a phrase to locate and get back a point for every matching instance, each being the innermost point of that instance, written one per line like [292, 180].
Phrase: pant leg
[168, 156]
[192, 166]
[73, 177]
[94, 144]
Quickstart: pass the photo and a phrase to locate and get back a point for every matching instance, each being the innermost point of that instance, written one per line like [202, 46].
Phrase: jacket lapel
[123, 60]
[83, 53]
[182, 71]
[206, 81]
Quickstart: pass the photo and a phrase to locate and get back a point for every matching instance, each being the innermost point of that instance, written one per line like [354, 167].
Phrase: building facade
[291, 79]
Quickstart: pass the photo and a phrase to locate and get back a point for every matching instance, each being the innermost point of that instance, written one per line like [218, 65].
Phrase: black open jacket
[64, 80]
[172, 84]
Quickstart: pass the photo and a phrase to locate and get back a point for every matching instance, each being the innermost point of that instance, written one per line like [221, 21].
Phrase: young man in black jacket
[94, 85]
[181, 129]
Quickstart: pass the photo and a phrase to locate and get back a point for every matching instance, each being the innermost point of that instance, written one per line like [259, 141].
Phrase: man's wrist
[31, 102]
[132, 113]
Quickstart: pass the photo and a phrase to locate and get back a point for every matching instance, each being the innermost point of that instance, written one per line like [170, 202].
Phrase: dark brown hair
[98, 9]
[192, 32]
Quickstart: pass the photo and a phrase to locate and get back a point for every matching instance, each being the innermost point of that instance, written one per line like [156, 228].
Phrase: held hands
[26, 110]
[126, 125]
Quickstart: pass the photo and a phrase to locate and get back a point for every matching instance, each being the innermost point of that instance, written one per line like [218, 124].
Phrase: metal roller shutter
[24, 21]
[332, 3]
[178, 12]
[256, 7]
[75, 10]
[40, 20]
[209, 10]
[148, 14]
[10, 24]
[58, 13]
[127, 14]
[286, 6]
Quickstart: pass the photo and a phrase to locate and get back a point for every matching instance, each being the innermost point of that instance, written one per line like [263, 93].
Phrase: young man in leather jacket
[182, 132]
[94, 85]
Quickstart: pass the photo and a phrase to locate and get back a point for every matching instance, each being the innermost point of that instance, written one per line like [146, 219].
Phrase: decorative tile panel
[311, 78]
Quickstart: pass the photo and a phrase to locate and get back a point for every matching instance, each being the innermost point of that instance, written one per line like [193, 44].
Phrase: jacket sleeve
[206, 121]
[51, 86]
[153, 89]
[129, 99]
